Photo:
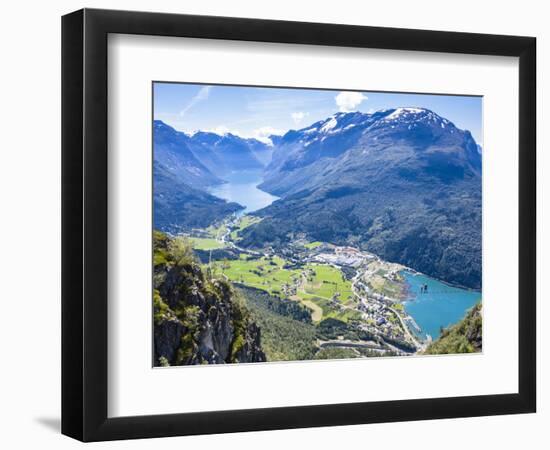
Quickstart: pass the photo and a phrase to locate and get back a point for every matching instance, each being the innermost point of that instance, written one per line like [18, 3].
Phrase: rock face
[197, 319]
[167, 335]
[251, 349]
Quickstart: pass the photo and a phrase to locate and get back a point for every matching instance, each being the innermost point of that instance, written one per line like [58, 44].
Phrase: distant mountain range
[403, 183]
[186, 165]
[203, 158]
[179, 207]
[226, 153]
[172, 152]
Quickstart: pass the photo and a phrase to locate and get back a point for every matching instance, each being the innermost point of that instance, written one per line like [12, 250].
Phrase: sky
[259, 111]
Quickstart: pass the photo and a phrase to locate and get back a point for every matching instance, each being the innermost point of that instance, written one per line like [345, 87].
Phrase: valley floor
[354, 296]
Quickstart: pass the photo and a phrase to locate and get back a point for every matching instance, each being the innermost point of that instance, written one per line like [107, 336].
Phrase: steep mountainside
[263, 152]
[179, 207]
[171, 150]
[202, 159]
[198, 319]
[464, 337]
[403, 183]
[223, 154]
[287, 331]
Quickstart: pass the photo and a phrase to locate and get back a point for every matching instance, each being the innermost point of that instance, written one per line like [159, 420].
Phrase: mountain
[403, 183]
[180, 207]
[275, 140]
[203, 158]
[464, 337]
[171, 150]
[198, 319]
[263, 151]
[227, 153]
[308, 155]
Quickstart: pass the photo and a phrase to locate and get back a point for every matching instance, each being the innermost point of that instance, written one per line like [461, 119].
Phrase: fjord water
[442, 305]
[242, 187]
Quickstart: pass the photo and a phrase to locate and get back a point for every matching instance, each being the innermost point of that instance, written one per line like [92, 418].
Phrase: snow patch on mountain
[403, 112]
[310, 130]
[329, 125]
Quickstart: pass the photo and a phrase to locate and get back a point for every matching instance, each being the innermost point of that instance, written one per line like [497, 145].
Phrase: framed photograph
[273, 224]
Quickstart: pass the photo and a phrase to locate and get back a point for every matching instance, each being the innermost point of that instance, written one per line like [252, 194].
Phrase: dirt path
[316, 310]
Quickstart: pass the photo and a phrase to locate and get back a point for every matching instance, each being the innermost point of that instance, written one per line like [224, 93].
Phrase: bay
[441, 305]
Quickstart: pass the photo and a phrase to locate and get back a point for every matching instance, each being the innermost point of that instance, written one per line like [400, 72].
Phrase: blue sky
[258, 112]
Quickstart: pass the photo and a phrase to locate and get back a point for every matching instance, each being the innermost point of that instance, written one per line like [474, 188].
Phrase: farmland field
[206, 243]
[321, 288]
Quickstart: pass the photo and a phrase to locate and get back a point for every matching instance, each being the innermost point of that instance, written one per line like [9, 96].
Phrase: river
[442, 305]
[242, 187]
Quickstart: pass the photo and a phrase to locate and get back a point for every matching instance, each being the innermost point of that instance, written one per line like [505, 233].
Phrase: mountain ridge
[171, 149]
[179, 207]
[404, 183]
[208, 154]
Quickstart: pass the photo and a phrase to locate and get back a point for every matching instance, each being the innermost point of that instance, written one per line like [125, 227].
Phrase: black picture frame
[84, 224]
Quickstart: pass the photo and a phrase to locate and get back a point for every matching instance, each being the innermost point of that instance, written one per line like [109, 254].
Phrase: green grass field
[244, 222]
[324, 309]
[215, 231]
[269, 274]
[327, 281]
[264, 273]
[312, 245]
[206, 243]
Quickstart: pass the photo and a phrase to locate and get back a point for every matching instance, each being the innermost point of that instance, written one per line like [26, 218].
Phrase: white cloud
[221, 130]
[262, 134]
[348, 101]
[203, 94]
[298, 116]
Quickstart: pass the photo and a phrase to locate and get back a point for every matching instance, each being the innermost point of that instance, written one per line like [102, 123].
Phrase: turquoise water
[242, 187]
[442, 305]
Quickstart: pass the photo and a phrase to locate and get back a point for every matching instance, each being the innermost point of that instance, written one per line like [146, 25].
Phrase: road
[365, 301]
[413, 339]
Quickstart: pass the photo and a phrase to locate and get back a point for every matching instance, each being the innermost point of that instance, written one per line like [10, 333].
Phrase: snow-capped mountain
[171, 150]
[205, 157]
[226, 153]
[404, 183]
[331, 138]
[185, 166]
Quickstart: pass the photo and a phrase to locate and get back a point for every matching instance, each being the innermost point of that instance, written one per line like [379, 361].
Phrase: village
[332, 281]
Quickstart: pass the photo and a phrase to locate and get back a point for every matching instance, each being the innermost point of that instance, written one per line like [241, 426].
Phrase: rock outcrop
[464, 337]
[198, 318]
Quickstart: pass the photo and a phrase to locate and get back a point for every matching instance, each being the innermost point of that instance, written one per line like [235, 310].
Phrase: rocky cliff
[198, 318]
